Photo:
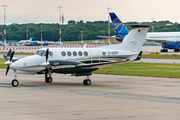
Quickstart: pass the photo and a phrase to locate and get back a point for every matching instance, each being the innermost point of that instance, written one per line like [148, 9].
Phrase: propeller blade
[5, 57]
[9, 53]
[47, 54]
[7, 70]
[12, 54]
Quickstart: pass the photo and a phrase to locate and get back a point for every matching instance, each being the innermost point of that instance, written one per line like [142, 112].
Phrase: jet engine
[171, 45]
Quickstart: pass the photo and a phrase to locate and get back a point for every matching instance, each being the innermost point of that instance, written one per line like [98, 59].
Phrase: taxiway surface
[109, 97]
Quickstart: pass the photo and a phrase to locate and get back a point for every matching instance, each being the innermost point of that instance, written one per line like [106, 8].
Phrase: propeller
[5, 57]
[8, 54]
[47, 54]
[9, 62]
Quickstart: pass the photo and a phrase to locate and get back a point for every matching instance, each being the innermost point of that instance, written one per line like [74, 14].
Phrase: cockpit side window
[39, 52]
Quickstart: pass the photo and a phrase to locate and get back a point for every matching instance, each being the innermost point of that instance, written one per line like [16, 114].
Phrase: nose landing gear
[15, 82]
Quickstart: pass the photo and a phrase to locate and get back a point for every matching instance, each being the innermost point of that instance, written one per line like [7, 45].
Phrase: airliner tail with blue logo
[120, 30]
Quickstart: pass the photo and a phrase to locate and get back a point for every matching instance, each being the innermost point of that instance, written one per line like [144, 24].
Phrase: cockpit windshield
[39, 52]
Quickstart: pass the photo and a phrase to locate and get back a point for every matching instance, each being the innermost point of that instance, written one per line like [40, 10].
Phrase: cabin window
[69, 53]
[75, 53]
[85, 53]
[80, 53]
[104, 53]
[63, 53]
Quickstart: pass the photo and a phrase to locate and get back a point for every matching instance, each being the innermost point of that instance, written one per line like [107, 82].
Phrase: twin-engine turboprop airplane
[79, 61]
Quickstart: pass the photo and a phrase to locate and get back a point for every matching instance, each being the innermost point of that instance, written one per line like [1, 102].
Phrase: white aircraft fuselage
[163, 36]
[74, 56]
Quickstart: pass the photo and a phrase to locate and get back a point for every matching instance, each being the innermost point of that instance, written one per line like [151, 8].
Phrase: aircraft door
[95, 55]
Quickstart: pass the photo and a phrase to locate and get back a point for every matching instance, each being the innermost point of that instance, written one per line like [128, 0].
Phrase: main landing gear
[87, 81]
[48, 76]
[164, 50]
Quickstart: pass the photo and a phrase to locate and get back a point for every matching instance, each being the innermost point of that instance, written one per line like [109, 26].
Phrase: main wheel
[87, 82]
[176, 50]
[162, 50]
[48, 80]
[14, 83]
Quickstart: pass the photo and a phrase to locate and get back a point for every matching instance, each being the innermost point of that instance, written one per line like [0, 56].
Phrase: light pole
[108, 26]
[60, 25]
[5, 24]
[152, 23]
[41, 33]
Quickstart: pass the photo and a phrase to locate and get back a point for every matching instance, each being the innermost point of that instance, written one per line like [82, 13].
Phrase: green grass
[2, 63]
[16, 53]
[164, 56]
[143, 69]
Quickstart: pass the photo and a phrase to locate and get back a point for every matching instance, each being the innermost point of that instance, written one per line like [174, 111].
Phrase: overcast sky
[46, 11]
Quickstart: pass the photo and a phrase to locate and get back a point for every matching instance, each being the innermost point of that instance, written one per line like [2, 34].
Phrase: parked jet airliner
[168, 40]
[97, 42]
[79, 61]
[25, 41]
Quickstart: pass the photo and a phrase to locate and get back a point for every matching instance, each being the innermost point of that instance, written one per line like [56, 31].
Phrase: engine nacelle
[171, 45]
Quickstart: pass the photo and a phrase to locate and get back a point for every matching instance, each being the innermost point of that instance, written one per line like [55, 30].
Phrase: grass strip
[163, 56]
[166, 70]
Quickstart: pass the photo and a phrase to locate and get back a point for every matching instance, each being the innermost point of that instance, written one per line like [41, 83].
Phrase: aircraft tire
[176, 50]
[48, 80]
[162, 50]
[84, 82]
[14, 83]
[87, 82]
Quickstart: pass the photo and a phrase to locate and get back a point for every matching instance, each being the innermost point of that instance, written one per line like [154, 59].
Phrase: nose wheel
[14, 83]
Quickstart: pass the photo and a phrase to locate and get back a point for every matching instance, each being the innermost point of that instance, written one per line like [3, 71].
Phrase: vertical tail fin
[134, 40]
[30, 39]
[120, 30]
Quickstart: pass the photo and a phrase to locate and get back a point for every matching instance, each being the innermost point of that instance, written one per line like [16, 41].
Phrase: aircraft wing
[107, 37]
[158, 41]
[99, 65]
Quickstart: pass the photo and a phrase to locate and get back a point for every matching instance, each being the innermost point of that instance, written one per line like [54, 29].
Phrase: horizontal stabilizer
[108, 37]
[156, 40]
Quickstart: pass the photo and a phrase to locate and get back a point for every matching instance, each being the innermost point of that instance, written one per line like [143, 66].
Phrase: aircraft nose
[14, 66]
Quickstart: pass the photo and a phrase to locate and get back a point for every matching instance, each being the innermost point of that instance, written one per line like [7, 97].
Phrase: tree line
[72, 30]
